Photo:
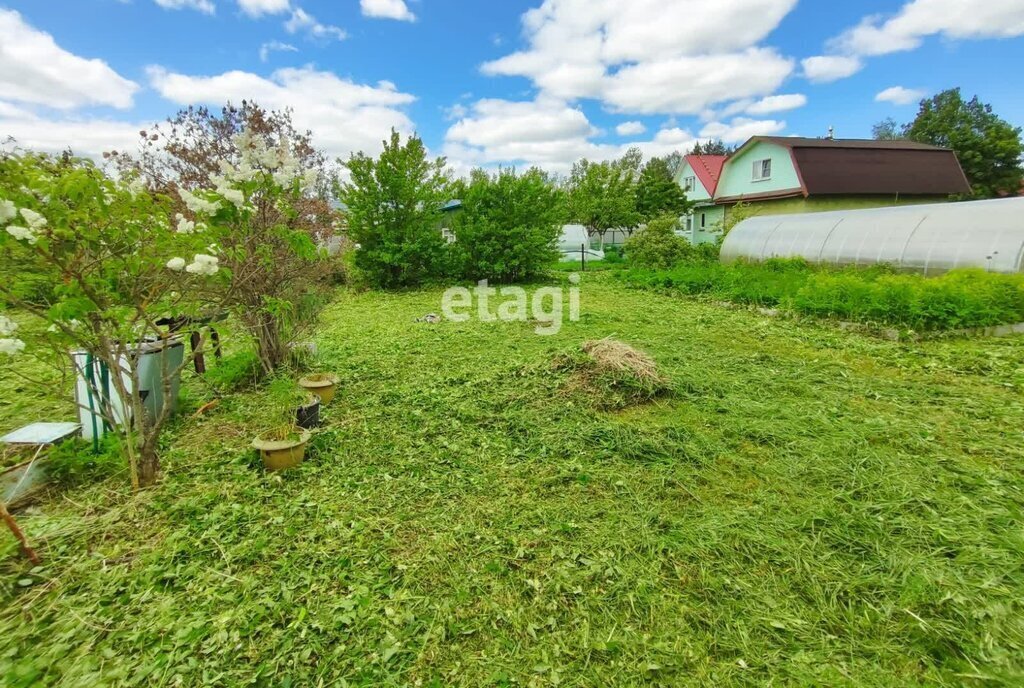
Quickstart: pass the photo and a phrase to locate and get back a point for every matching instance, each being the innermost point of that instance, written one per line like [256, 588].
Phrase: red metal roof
[708, 169]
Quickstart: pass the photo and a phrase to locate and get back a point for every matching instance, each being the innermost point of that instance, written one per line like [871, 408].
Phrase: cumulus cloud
[612, 51]
[905, 30]
[257, 8]
[741, 128]
[918, 19]
[779, 103]
[344, 116]
[89, 137]
[823, 69]
[630, 129]
[386, 9]
[302, 21]
[898, 95]
[545, 132]
[275, 46]
[34, 69]
[204, 6]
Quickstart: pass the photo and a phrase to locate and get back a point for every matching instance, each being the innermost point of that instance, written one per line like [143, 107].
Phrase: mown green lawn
[810, 506]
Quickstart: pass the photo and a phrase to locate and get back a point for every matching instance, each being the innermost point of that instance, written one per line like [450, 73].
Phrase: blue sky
[509, 82]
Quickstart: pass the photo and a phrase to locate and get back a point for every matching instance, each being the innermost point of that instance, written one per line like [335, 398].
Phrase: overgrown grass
[808, 507]
[959, 299]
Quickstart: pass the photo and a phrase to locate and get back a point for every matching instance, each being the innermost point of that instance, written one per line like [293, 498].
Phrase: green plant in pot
[324, 385]
[283, 444]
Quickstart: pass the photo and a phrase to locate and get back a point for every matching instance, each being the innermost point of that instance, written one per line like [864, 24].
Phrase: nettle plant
[114, 267]
[252, 217]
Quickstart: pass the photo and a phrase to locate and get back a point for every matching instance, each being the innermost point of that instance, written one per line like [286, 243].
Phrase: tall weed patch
[958, 299]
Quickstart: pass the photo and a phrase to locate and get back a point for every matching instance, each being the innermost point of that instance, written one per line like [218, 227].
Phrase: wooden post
[22, 540]
[583, 257]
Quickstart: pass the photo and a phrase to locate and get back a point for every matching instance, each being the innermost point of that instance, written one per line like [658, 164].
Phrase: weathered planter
[323, 385]
[279, 455]
[307, 416]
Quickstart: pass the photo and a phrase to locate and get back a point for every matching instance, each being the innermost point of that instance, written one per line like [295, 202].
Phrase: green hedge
[958, 299]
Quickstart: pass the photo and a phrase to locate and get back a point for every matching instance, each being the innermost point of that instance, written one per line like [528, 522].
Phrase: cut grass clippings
[808, 507]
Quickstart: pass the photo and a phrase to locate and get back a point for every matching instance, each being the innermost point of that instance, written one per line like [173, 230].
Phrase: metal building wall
[930, 238]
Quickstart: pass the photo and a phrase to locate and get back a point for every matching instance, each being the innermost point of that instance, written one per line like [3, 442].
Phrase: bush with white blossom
[107, 249]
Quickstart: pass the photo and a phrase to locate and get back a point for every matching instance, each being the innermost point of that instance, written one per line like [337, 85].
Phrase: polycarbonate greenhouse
[931, 238]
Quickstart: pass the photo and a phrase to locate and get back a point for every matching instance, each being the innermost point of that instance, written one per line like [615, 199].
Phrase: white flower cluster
[33, 222]
[202, 264]
[279, 160]
[8, 344]
[185, 226]
[198, 205]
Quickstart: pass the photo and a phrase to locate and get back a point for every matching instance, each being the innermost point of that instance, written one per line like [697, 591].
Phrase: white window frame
[689, 183]
[758, 170]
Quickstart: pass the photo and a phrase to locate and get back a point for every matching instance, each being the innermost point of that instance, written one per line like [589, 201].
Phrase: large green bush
[657, 245]
[508, 227]
[393, 206]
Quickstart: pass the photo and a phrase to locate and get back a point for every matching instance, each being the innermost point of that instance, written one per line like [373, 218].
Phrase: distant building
[698, 176]
[784, 175]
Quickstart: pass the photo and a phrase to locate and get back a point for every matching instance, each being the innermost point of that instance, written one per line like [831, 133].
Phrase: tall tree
[394, 213]
[602, 195]
[886, 130]
[989, 148]
[712, 147]
[657, 193]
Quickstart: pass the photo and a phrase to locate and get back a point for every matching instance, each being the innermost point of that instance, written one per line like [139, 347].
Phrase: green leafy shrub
[394, 214]
[508, 227]
[657, 245]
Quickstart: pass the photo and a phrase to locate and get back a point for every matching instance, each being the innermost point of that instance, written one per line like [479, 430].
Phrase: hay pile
[613, 374]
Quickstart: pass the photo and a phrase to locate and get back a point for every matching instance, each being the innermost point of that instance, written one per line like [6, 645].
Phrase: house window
[762, 170]
[689, 223]
[448, 235]
[689, 183]
[703, 220]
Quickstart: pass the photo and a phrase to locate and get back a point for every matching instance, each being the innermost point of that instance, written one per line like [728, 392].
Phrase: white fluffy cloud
[344, 116]
[302, 21]
[898, 95]
[741, 128]
[89, 137]
[545, 132]
[204, 6]
[918, 19]
[257, 8]
[34, 69]
[681, 63]
[387, 9]
[779, 103]
[630, 129]
[823, 69]
[275, 46]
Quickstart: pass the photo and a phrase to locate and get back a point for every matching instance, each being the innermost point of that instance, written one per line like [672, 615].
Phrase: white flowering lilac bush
[115, 265]
[251, 215]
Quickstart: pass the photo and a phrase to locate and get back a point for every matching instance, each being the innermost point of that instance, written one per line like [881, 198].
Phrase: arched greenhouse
[931, 238]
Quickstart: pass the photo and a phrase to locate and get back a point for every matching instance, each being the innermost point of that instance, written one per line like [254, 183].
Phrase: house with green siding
[698, 176]
[779, 175]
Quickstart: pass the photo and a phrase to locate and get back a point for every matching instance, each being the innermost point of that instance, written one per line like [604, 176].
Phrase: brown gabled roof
[868, 167]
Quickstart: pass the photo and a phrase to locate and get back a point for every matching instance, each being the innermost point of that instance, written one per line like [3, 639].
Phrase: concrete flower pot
[280, 454]
[323, 385]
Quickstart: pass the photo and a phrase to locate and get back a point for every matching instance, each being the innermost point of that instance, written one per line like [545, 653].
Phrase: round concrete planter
[279, 455]
[323, 385]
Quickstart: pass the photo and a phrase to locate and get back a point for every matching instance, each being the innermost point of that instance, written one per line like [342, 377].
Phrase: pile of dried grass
[613, 374]
[619, 358]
